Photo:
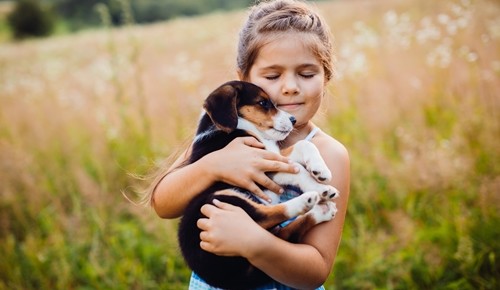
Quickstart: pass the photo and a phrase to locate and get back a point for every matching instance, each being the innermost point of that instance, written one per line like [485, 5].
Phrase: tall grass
[415, 101]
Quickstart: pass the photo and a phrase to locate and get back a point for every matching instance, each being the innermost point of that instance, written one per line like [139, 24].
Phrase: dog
[238, 109]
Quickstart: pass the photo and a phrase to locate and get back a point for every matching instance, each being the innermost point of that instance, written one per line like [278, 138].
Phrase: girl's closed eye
[272, 77]
[308, 75]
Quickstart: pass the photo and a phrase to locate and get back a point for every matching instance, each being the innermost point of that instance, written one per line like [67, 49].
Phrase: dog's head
[243, 105]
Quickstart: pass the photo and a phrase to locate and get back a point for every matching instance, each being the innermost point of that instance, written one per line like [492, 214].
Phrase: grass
[415, 101]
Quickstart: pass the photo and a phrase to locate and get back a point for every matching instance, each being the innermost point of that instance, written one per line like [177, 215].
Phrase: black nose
[293, 120]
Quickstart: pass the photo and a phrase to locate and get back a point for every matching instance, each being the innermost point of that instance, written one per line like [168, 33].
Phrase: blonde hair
[271, 18]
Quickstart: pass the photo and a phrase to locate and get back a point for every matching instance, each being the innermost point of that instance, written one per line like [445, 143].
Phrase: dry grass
[415, 101]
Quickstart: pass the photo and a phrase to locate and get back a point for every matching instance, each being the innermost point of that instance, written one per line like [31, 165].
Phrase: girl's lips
[289, 107]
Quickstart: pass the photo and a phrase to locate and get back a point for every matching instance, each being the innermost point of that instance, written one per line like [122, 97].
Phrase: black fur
[223, 272]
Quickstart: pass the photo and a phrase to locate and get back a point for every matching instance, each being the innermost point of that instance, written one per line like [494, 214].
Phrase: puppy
[238, 109]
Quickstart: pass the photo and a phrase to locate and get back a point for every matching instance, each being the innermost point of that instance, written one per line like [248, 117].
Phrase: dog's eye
[266, 104]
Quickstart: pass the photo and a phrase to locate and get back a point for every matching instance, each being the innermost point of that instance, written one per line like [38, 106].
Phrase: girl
[284, 48]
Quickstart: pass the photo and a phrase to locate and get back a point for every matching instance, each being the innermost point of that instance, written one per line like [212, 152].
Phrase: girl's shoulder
[330, 147]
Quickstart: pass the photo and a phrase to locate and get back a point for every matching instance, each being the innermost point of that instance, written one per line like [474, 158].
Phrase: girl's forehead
[306, 39]
[288, 47]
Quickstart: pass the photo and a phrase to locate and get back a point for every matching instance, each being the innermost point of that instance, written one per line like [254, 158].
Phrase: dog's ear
[220, 106]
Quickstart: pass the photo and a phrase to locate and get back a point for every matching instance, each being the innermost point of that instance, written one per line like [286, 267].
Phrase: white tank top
[312, 133]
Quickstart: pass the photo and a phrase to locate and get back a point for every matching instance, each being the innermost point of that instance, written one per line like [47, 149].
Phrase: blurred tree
[31, 18]
[80, 14]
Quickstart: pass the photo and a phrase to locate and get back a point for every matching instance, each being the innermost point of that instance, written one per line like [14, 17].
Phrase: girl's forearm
[285, 262]
[178, 187]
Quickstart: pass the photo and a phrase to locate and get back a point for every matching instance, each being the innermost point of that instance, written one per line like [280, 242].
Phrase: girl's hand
[244, 163]
[227, 230]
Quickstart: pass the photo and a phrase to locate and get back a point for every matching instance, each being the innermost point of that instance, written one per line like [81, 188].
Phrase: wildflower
[400, 28]
[443, 19]
[441, 55]
[468, 54]
[365, 36]
[428, 31]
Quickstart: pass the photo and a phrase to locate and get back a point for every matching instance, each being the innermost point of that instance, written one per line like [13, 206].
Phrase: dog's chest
[271, 146]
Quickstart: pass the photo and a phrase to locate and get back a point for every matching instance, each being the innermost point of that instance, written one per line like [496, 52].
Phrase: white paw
[326, 192]
[312, 161]
[302, 203]
[318, 169]
[323, 211]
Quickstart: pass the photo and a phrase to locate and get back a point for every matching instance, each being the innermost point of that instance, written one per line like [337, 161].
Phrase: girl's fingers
[274, 156]
[208, 210]
[224, 205]
[202, 224]
[275, 166]
[255, 189]
[206, 246]
[268, 183]
[252, 142]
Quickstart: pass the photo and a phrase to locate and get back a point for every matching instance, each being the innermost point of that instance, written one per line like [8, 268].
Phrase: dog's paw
[318, 169]
[326, 192]
[323, 211]
[329, 193]
[302, 203]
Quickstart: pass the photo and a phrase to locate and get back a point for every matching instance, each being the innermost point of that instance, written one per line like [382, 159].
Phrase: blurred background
[96, 94]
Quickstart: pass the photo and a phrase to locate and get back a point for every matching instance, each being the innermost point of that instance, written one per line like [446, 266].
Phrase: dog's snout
[293, 120]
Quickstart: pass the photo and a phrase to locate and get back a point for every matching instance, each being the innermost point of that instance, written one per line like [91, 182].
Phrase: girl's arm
[242, 163]
[230, 231]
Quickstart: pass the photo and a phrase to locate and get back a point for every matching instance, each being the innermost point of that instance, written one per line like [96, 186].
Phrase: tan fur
[287, 151]
[275, 214]
[258, 116]
[297, 228]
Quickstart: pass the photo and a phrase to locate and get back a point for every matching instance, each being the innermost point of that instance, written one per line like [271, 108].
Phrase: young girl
[284, 48]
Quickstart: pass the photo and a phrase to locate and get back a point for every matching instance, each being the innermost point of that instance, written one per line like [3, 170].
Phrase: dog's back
[232, 272]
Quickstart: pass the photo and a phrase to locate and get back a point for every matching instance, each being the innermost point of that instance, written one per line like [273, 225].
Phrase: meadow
[416, 100]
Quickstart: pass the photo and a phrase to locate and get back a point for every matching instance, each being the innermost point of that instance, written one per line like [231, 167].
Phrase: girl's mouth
[289, 107]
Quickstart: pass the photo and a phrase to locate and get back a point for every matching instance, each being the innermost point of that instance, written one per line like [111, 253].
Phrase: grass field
[416, 101]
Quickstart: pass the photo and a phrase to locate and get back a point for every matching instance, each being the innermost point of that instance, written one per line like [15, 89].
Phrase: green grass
[81, 112]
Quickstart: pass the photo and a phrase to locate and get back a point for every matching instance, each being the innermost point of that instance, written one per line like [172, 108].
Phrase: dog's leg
[295, 231]
[268, 216]
[307, 154]
[306, 182]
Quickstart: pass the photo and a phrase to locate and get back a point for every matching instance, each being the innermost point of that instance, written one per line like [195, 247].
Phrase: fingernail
[296, 169]
[281, 191]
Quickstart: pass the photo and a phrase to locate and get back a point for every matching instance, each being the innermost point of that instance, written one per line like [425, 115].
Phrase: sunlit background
[94, 95]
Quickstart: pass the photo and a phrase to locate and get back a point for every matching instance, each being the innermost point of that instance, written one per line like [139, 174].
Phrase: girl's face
[291, 75]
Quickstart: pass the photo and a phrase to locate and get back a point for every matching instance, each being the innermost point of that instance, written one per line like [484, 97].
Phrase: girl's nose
[290, 86]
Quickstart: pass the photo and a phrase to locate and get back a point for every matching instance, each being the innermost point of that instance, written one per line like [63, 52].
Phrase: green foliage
[31, 18]
[81, 14]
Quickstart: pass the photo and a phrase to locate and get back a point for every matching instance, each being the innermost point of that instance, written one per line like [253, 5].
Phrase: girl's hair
[269, 19]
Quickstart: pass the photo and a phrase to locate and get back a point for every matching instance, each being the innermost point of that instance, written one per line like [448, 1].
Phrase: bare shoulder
[331, 149]
[337, 159]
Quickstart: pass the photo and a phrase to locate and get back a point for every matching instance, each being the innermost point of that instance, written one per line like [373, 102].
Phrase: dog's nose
[293, 120]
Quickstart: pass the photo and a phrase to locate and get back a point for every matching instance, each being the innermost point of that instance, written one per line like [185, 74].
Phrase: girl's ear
[220, 106]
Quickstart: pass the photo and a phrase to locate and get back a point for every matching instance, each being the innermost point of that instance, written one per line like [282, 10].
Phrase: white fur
[248, 126]
[311, 178]
[302, 204]
[282, 126]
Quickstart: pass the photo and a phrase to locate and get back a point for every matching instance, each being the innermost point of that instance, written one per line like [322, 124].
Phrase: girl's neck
[299, 133]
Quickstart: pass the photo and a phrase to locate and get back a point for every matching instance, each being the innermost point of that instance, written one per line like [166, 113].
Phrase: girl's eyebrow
[302, 66]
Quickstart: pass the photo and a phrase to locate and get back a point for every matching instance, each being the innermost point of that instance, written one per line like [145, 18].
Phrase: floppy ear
[220, 106]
